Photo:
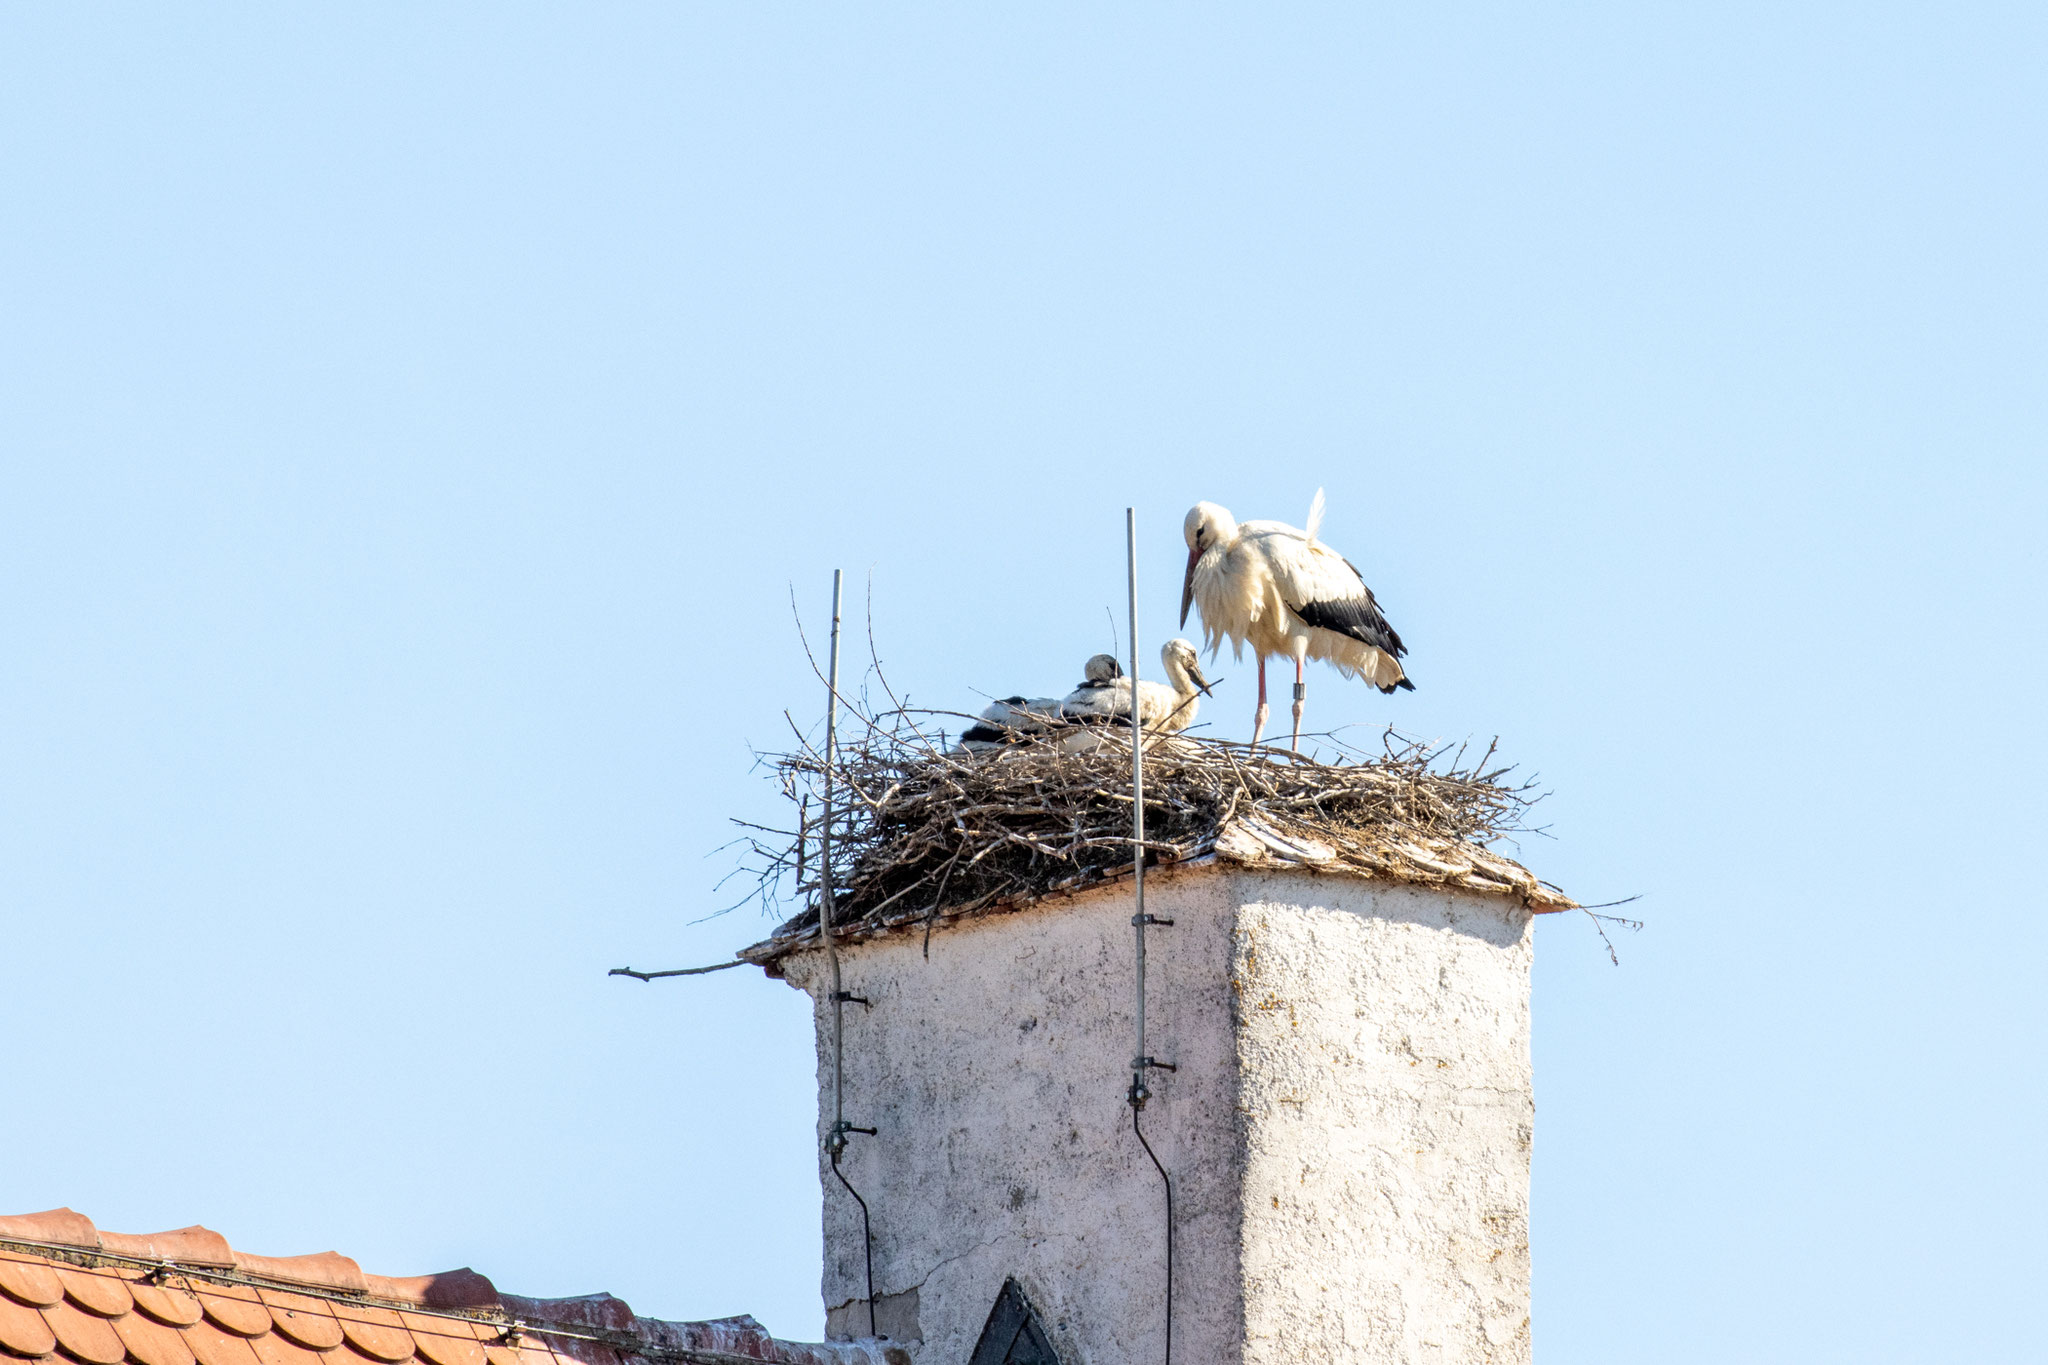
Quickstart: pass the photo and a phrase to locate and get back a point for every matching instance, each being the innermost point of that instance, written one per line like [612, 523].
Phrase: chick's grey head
[1103, 668]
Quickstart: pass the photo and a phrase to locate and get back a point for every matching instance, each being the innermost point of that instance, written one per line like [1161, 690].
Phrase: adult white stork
[1167, 707]
[1013, 718]
[1285, 594]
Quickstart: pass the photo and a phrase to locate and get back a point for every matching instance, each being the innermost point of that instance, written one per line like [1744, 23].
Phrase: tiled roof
[73, 1295]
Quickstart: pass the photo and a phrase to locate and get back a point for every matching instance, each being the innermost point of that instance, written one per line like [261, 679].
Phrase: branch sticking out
[674, 971]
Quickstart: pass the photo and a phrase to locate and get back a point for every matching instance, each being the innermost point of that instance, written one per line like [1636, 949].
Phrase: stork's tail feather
[1400, 684]
[1315, 516]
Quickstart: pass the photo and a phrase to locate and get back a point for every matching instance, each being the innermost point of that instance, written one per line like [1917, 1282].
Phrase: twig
[1600, 923]
[677, 971]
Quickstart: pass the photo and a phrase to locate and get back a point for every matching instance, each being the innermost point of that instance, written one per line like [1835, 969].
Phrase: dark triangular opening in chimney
[1013, 1335]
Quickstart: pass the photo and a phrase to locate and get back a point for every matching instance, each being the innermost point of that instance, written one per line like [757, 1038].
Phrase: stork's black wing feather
[1358, 617]
[989, 730]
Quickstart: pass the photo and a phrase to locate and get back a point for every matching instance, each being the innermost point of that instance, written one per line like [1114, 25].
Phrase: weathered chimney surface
[1348, 1131]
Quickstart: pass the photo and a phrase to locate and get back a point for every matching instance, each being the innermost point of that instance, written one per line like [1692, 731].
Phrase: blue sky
[415, 419]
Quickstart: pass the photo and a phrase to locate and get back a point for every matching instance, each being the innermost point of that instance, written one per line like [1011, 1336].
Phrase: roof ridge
[445, 1293]
[382, 1315]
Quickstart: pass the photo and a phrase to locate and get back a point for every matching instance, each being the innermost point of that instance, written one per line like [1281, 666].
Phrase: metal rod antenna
[1137, 793]
[825, 889]
[1142, 1061]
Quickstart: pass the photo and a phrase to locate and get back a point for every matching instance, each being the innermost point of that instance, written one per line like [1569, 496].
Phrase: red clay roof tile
[602, 1311]
[102, 1294]
[24, 1331]
[462, 1288]
[83, 1336]
[32, 1282]
[437, 1343]
[121, 1299]
[152, 1343]
[274, 1348]
[377, 1341]
[171, 1306]
[190, 1246]
[214, 1347]
[234, 1308]
[377, 1333]
[330, 1269]
[67, 1227]
[303, 1319]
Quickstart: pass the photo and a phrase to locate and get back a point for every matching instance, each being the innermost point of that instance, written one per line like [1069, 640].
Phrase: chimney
[1347, 1128]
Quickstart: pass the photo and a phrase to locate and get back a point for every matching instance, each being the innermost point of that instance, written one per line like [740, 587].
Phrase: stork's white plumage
[1284, 593]
[1167, 707]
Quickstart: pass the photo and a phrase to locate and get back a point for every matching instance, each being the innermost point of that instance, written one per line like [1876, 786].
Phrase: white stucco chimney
[1348, 1130]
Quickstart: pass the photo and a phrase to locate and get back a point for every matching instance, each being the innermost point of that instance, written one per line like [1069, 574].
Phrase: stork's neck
[1177, 676]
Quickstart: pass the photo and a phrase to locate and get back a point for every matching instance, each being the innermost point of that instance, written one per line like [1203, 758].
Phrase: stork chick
[1011, 719]
[1167, 707]
[1277, 589]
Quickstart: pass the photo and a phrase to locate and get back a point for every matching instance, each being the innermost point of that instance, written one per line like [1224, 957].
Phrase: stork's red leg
[1300, 696]
[1259, 717]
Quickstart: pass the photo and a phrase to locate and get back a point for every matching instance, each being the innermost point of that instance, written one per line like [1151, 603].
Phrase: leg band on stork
[1300, 689]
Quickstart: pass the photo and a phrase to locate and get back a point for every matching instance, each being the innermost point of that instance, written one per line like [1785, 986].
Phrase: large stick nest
[918, 832]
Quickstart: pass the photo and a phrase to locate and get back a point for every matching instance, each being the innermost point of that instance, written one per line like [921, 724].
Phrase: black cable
[835, 1141]
[868, 1239]
[1143, 1060]
[1166, 1180]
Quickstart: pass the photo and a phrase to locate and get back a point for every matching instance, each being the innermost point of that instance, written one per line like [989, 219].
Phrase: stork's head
[1183, 667]
[1206, 527]
[1102, 668]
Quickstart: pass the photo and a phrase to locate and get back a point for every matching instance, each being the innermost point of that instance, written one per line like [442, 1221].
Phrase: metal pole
[1137, 793]
[825, 891]
[1142, 1062]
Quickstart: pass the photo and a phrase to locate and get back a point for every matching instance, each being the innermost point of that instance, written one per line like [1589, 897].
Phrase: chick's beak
[1195, 676]
[1187, 586]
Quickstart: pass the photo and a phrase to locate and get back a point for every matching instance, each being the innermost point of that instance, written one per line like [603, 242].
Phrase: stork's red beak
[1187, 586]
